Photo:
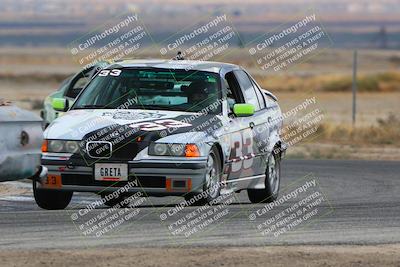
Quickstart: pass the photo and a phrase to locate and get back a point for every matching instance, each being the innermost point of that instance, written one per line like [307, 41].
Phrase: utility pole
[382, 38]
[354, 86]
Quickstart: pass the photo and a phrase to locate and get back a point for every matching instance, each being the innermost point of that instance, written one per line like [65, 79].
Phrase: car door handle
[269, 119]
[251, 124]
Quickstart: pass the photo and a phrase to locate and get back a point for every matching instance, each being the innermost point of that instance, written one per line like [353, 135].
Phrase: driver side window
[234, 94]
[247, 88]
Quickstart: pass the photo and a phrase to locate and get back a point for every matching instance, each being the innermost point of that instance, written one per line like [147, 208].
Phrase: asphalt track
[360, 204]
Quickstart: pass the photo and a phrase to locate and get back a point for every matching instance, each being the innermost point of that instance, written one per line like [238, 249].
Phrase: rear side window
[247, 88]
[259, 92]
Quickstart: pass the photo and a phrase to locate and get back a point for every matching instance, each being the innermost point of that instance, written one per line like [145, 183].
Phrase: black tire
[51, 200]
[271, 191]
[213, 187]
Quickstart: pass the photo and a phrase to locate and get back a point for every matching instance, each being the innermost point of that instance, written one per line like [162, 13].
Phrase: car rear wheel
[272, 182]
[51, 200]
[212, 186]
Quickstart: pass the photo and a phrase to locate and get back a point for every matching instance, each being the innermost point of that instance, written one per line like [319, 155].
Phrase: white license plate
[110, 172]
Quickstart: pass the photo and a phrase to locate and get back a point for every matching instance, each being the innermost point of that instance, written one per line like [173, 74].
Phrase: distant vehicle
[69, 90]
[192, 129]
[21, 137]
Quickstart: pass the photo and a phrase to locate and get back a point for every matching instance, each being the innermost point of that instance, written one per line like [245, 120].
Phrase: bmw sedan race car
[164, 128]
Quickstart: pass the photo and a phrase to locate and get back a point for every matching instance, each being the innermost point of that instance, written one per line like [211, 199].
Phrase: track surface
[361, 206]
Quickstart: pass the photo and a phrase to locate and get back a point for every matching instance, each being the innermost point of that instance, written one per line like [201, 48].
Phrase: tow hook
[40, 174]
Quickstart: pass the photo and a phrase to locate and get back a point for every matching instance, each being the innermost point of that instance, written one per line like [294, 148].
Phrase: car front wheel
[212, 183]
[51, 200]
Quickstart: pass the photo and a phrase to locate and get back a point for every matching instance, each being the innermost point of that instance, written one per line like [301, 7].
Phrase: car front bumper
[153, 177]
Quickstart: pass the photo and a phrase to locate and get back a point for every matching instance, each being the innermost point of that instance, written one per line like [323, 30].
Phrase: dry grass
[380, 82]
[314, 150]
[330, 70]
[310, 256]
[386, 132]
[32, 78]
[340, 141]
[337, 106]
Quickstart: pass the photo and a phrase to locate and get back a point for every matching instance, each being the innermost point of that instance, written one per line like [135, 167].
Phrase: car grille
[99, 149]
[88, 180]
[125, 151]
[105, 150]
[111, 144]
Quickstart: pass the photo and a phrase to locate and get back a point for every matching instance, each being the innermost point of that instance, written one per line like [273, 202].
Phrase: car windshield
[153, 89]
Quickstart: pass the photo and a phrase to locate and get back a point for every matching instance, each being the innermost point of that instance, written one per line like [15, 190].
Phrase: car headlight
[60, 146]
[56, 146]
[71, 146]
[175, 150]
[160, 149]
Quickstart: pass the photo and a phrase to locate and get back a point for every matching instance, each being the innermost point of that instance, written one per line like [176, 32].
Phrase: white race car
[164, 128]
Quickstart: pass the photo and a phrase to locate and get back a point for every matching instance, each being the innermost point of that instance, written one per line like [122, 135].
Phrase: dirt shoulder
[380, 255]
[343, 151]
[14, 188]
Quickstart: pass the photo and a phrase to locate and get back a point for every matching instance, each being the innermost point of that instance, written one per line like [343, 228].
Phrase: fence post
[354, 86]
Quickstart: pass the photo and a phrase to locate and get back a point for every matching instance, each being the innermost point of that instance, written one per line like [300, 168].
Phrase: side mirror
[60, 104]
[243, 110]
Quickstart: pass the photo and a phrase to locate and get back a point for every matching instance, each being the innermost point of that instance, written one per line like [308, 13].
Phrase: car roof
[209, 66]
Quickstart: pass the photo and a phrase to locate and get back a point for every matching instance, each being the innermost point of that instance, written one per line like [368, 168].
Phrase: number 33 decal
[114, 72]
[242, 144]
[159, 125]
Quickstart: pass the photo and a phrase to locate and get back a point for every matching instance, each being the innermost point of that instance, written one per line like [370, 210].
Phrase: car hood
[79, 124]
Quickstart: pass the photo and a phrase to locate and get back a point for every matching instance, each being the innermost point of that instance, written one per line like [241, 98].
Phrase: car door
[269, 118]
[259, 122]
[242, 160]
